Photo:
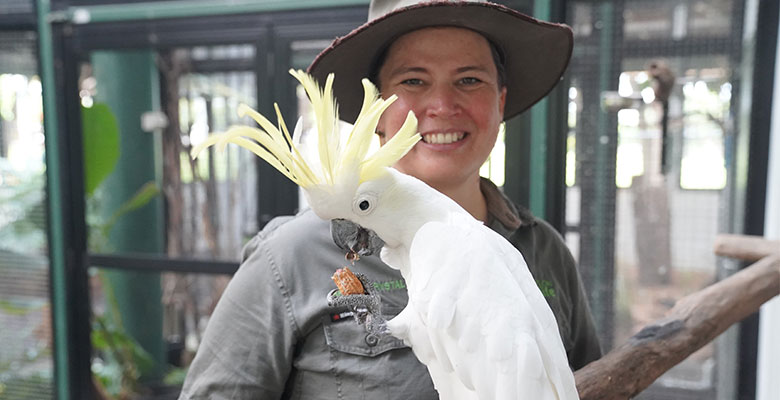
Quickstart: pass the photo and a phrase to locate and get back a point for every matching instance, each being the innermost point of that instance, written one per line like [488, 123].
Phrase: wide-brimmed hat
[534, 53]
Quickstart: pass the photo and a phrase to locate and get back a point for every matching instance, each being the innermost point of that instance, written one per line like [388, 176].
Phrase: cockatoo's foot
[367, 308]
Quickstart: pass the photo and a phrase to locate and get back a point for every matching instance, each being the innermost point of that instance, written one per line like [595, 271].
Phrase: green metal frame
[59, 54]
[54, 196]
[539, 134]
[180, 9]
[536, 140]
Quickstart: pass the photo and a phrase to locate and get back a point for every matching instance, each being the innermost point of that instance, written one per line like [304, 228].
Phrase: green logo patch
[547, 288]
[390, 285]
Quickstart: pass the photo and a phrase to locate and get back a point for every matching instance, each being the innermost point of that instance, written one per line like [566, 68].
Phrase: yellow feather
[270, 128]
[209, 141]
[364, 129]
[370, 95]
[265, 155]
[324, 109]
[392, 151]
[233, 136]
[299, 166]
[275, 145]
[280, 151]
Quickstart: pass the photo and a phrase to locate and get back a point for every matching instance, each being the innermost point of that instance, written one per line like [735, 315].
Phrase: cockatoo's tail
[338, 161]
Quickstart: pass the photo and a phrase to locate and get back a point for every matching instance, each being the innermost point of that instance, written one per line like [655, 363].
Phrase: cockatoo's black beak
[350, 236]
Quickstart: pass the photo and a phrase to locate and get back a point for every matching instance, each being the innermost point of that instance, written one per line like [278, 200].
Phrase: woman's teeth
[443, 138]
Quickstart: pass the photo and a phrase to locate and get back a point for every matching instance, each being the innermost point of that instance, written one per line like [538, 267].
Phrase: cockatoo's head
[342, 182]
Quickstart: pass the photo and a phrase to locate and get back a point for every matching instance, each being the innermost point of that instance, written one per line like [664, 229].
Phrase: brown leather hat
[535, 53]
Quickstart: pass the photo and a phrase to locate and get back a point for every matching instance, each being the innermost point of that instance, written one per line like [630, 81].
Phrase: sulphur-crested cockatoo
[475, 316]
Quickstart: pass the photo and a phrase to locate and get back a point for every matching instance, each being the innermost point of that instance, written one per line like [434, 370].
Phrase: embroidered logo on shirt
[547, 288]
[390, 285]
[341, 316]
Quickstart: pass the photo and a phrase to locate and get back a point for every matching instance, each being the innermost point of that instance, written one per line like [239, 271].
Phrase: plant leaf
[100, 135]
[141, 197]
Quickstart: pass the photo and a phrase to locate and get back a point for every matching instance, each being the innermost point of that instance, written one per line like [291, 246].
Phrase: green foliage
[22, 215]
[121, 360]
[100, 229]
[100, 135]
[22, 210]
[118, 360]
[175, 377]
[12, 308]
[29, 387]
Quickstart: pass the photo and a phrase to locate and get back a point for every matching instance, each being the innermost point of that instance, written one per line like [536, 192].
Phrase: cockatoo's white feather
[484, 321]
[475, 316]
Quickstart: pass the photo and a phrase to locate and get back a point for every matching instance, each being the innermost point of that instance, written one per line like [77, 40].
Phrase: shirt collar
[503, 216]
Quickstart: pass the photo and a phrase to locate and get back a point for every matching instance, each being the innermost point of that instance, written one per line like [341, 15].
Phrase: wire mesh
[651, 118]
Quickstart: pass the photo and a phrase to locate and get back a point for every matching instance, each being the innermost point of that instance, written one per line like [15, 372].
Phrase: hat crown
[378, 8]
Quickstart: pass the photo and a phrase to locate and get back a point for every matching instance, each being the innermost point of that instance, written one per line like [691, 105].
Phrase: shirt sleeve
[550, 259]
[582, 328]
[247, 348]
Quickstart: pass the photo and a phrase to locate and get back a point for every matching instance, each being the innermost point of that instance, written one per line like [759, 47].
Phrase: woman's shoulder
[290, 233]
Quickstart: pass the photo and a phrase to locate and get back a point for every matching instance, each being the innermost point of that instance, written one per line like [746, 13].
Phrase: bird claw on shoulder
[366, 308]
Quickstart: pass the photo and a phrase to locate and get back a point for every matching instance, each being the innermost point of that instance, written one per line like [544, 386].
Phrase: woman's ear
[502, 101]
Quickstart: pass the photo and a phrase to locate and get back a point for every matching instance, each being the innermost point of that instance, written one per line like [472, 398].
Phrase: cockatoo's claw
[367, 308]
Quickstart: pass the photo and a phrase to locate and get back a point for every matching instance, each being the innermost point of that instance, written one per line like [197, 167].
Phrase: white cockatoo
[475, 316]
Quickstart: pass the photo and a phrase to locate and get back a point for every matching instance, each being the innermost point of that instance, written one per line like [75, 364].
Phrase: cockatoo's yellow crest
[276, 146]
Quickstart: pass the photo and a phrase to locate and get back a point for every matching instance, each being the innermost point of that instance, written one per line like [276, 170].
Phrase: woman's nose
[442, 101]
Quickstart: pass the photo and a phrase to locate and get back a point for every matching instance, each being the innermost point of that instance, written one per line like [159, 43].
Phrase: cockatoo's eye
[365, 203]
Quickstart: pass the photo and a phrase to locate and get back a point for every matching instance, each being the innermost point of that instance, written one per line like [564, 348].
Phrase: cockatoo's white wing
[488, 326]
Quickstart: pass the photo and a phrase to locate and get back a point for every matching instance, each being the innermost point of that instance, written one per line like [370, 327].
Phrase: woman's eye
[412, 82]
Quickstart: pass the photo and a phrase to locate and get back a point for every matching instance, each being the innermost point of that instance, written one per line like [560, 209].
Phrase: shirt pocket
[346, 336]
[365, 367]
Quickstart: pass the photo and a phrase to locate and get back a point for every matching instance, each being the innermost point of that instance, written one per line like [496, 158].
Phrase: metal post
[596, 155]
[65, 206]
[128, 82]
[535, 142]
[539, 133]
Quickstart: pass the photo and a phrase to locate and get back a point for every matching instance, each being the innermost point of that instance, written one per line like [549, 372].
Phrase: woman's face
[447, 76]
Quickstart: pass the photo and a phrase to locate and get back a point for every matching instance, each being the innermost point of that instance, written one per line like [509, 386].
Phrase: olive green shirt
[272, 334]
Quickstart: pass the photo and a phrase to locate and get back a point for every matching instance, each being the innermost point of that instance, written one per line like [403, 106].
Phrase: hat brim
[535, 52]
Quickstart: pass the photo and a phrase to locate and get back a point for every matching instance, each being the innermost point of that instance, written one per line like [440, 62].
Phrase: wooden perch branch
[693, 322]
[748, 248]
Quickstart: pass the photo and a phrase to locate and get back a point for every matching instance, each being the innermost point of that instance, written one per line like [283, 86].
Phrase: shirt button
[372, 340]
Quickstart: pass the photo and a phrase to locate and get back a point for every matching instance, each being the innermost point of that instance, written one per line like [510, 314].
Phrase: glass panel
[123, 367]
[219, 185]
[26, 366]
[210, 203]
[149, 109]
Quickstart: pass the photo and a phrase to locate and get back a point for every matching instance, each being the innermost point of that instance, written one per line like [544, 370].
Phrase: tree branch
[743, 247]
[693, 322]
